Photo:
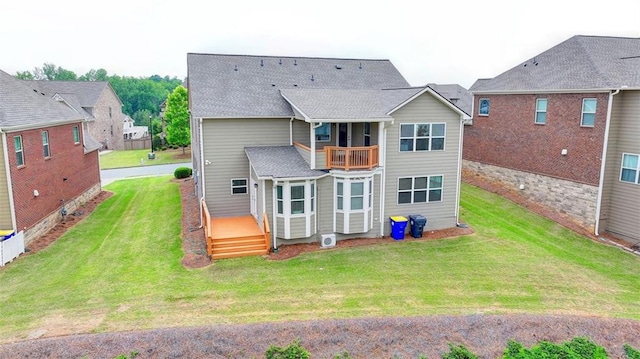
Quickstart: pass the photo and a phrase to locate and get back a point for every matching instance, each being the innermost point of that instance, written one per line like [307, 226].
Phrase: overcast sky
[428, 41]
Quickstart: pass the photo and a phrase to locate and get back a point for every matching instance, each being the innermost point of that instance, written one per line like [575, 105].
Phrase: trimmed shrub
[630, 352]
[458, 352]
[293, 351]
[182, 172]
[577, 348]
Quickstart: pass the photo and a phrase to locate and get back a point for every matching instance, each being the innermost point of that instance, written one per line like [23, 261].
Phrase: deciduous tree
[177, 116]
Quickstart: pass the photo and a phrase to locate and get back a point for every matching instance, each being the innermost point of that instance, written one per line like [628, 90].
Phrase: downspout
[604, 160]
[458, 183]
[201, 172]
[274, 204]
[382, 138]
[12, 207]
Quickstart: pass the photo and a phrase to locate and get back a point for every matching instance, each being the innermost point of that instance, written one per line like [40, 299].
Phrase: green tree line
[141, 96]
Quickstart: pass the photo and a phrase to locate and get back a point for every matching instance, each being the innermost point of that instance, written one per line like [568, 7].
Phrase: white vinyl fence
[11, 248]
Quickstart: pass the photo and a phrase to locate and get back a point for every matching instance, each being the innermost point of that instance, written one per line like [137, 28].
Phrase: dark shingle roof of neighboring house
[581, 62]
[87, 92]
[458, 95]
[249, 86]
[280, 162]
[22, 107]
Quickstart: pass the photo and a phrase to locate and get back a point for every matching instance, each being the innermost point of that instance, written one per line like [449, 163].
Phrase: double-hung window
[354, 194]
[541, 111]
[588, 118]
[630, 171]
[483, 107]
[17, 143]
[76, 135]
[45, 144]
[416, 137]
[423, 189]
[297, 199]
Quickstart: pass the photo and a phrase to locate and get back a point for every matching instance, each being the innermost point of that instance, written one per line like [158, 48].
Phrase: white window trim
[535, 118]
[430, 137]
[76, 132]
[366, 134]
[46, 144]
[583, 112]
[309, 208]
[21, 151]
[479, 107]
[346, 211]
[245, 186]
[413, 180]
[637, 169]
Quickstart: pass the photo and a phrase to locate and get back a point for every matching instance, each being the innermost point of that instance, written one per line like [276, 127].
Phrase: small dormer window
[483, 107]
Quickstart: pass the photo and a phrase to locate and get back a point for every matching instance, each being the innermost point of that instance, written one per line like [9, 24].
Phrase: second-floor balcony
[351, 158]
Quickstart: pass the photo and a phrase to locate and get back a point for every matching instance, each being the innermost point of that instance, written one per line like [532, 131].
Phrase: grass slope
[120, 270]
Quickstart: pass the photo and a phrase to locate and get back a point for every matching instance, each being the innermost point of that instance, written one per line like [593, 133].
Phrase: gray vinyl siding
[424, 109]
[324, 206]
[195, 155]
[280, 221]
[298, 227]
[301, 133]
[321, 160]
[357, 134]
[224, 143]
[620, 209]
[340, 222]
[5, 211]
[304, 153]
[356, 223]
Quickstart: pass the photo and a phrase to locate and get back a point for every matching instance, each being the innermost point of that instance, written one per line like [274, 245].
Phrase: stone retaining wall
[577, 200]
[50, 221]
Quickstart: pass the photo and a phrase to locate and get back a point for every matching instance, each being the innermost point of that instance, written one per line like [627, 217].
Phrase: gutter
[459, 181]
[604, 160]
[35, 126]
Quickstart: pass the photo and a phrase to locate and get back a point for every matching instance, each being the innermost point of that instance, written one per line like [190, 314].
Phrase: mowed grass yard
[120, 270]
[134, 158]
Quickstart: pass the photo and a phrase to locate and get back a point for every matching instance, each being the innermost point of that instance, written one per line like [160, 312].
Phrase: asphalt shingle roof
[249, 86]
[455, 93]
[581, 62]
[21, 106]
[280, 162]
[87, 92]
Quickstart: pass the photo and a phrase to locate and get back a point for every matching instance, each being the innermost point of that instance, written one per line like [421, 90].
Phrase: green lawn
[120, 270]
[133, 158]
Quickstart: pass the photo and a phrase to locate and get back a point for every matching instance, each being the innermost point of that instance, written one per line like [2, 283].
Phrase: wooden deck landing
[230, 237]
[234, 227]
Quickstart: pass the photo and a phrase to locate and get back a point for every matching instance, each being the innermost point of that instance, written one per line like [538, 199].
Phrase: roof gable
[21, 106]
[579, 63]
[249, 86]
[87, 92]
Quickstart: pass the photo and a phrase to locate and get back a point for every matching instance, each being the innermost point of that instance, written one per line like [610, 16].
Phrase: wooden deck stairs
[232, 237]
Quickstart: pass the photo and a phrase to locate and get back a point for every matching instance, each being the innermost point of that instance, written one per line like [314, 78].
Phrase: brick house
[96, 101]
[564, 129]
[47, 159]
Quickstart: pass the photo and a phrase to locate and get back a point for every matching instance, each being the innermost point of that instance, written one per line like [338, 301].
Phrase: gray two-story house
[318, 148]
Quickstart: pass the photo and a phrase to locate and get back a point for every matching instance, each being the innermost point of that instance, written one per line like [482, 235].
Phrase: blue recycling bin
[6, 234]
[398, 226]
[417, 222]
